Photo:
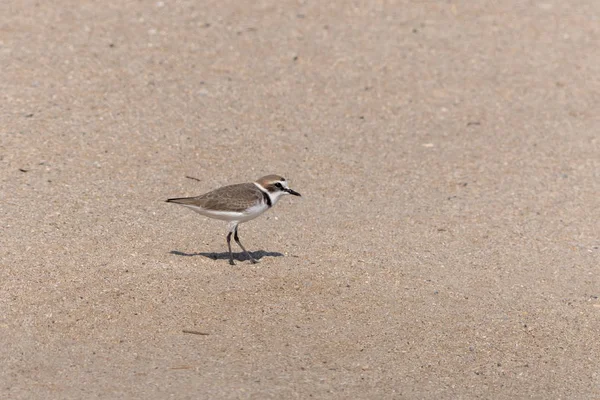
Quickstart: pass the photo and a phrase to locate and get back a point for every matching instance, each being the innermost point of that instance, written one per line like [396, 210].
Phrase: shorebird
[238, 203]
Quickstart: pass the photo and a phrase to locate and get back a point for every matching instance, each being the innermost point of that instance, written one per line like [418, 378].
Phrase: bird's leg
[229, 246]
[237, 239]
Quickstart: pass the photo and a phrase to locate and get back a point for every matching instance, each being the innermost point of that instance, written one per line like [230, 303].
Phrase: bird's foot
[252, 259]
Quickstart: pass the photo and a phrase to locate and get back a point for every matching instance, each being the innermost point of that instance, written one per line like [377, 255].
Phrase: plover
[238, 203]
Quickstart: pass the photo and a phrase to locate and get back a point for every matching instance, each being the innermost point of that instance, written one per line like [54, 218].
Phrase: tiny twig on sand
[191, 177]
[195, 332]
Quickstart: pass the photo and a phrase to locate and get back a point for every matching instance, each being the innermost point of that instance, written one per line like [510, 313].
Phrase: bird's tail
[181, 200]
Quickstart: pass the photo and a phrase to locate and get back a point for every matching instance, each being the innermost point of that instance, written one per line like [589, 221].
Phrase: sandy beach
[446, 244]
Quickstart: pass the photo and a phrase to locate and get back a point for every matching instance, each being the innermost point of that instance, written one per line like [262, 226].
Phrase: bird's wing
[234, 198]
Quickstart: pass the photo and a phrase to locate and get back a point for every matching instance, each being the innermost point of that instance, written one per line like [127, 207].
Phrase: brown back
[235, 198]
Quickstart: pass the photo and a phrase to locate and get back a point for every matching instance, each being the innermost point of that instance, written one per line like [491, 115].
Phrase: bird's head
[276, 185]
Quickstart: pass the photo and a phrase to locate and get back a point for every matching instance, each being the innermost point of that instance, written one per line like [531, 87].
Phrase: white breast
[254, 211]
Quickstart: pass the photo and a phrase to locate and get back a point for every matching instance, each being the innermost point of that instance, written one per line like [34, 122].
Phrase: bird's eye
[278, 185]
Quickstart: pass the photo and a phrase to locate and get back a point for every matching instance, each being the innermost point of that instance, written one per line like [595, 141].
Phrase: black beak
[290, 191]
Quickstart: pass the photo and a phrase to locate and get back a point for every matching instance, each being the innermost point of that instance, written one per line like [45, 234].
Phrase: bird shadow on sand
[225, 256]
